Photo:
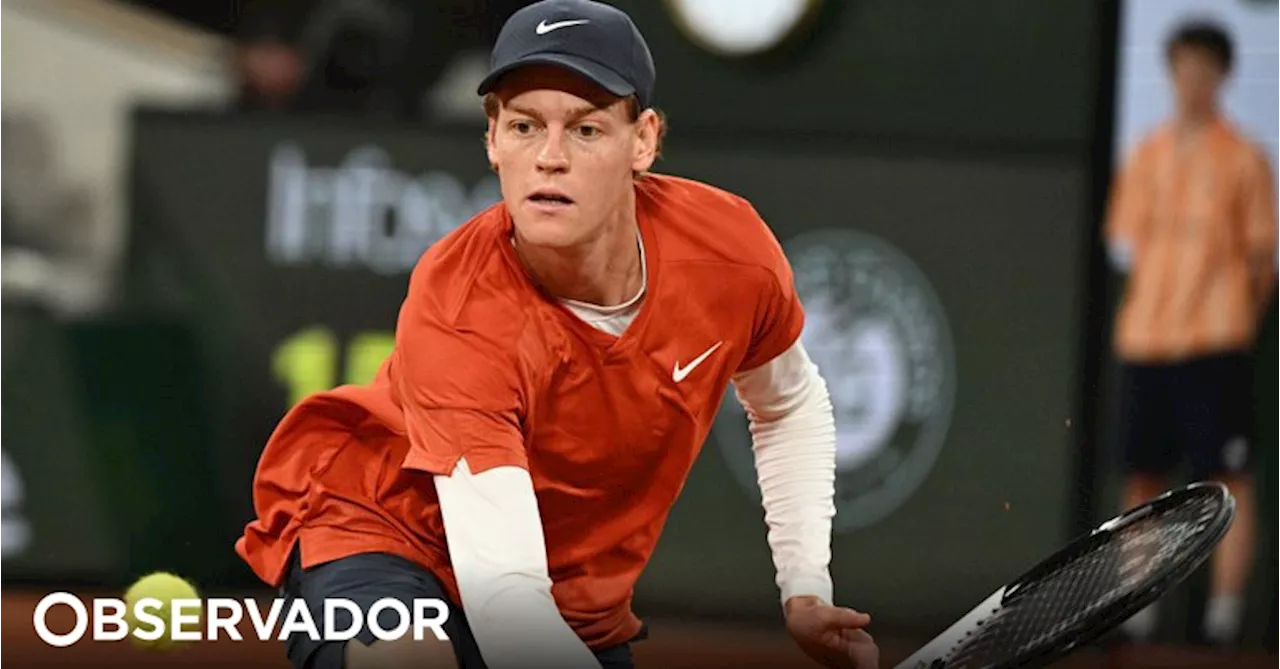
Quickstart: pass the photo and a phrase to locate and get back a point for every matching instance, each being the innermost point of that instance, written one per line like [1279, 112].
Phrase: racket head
[1090, 586]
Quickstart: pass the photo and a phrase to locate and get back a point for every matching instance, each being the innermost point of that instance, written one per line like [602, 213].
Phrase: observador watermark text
[216, 618]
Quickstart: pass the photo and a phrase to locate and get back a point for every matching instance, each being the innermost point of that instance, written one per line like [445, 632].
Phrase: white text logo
[363, 213]
[224, 616]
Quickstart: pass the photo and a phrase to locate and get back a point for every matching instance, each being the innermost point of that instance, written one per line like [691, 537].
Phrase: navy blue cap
[590, 38]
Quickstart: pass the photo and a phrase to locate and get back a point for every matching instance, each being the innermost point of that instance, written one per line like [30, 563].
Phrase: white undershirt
[616, 319]
[494, 530]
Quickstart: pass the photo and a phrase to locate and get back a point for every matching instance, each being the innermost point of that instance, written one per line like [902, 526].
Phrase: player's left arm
[794, 444]
[1259, 190]
[793, 439]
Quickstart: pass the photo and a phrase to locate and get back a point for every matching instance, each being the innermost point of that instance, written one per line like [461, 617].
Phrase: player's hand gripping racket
[1089, 587]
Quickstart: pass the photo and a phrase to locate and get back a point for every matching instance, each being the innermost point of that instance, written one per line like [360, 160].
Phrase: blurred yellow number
[307, 361]
[304, 362]
[365, 354]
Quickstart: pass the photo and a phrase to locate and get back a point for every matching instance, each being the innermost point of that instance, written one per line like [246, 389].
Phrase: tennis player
[559, 360]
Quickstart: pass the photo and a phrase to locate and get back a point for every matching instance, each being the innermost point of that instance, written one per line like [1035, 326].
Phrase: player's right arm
[499, 558]
[1127, 210]
[462, 392]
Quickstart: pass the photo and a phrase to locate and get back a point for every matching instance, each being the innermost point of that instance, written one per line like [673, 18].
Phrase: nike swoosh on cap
[544, 27]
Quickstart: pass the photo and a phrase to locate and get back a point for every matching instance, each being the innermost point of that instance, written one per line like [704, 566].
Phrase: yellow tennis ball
[165, 588]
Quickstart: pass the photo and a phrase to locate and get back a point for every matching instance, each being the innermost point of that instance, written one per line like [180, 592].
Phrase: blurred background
[211, 207]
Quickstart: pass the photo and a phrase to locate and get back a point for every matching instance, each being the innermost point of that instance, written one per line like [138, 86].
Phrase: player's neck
[1190, 121]
[604, 270]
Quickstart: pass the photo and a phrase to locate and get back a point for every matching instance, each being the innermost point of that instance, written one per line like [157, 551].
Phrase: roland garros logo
[879, 334]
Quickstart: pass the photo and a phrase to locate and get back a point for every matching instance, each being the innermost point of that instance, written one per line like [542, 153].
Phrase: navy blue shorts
[1200, 410]
[364, 579]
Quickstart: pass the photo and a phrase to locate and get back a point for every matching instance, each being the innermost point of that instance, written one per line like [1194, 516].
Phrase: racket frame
[931, 655]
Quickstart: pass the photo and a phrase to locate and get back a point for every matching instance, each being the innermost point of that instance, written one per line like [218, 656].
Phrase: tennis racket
[1089, 587]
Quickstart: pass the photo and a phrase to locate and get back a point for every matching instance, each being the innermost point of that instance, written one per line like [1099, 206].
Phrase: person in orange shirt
[1193, 221]
[559, 360]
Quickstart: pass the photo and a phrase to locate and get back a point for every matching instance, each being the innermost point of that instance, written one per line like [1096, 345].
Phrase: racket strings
[1119, 564]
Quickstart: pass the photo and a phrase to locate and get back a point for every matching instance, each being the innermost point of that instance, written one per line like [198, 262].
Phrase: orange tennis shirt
[488, 367]
[1198, 217]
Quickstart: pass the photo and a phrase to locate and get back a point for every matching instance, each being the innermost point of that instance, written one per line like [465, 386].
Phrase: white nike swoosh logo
[678, 373]
[544, 27]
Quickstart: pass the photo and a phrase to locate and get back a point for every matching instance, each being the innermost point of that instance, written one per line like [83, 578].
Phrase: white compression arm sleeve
[794, 440]
[499, 557]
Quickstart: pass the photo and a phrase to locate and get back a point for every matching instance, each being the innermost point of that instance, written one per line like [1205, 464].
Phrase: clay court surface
[672, 645]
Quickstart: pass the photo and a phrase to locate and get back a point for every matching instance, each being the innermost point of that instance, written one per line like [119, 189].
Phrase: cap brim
[600, 75]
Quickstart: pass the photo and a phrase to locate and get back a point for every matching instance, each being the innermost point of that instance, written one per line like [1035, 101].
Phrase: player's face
[565, 151]
[1197, 77]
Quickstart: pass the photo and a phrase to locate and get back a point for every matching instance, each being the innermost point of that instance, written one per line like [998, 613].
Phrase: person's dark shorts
[364, 579]
[1200, 409]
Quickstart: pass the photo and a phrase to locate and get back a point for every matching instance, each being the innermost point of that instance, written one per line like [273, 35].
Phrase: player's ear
[489, 148]
[645, 145]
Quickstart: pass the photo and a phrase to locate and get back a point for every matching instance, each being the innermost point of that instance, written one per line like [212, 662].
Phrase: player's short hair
[1204, 35]
[493, 104]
